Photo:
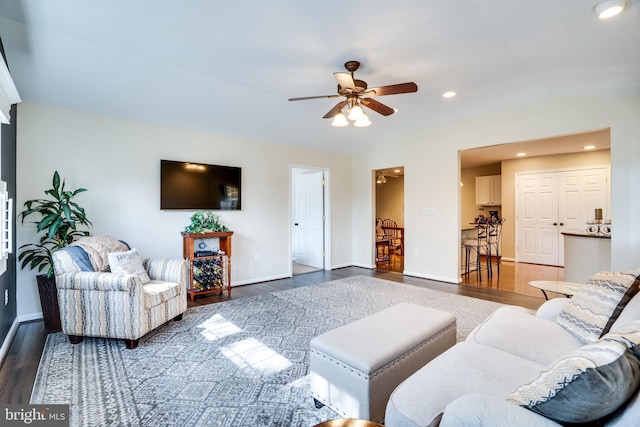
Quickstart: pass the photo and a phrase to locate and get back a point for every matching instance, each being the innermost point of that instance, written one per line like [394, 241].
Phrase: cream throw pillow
[128, 262]
[596, 306]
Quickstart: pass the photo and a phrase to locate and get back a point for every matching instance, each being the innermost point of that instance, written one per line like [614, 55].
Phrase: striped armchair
[117, 305]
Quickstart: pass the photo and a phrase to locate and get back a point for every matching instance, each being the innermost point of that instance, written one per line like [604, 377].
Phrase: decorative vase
[49, 302]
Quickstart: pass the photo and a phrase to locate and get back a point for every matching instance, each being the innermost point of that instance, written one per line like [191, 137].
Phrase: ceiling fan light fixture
[610, 8]
[339, 120]
[352, 90]
[381, 179]
[362, 121]
[356, 112]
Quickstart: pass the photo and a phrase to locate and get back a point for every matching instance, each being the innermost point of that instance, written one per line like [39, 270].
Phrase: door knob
[555, 223]
[561, 224]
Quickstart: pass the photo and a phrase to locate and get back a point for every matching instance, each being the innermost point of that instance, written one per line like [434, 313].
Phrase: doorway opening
[309, 230]
[389, 222]
[562, 154]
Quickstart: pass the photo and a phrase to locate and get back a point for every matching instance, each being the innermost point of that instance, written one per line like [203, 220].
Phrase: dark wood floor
[19, 369]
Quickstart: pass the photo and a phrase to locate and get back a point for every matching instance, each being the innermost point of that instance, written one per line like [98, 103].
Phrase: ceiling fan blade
[335, 110]
[393, 89]
[345, 80]
[377, 106]
[304, 98]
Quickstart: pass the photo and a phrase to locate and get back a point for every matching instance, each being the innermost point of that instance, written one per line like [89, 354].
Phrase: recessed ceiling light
[449, 94]
[589, 147]
[521, 154]
[610, 8]
[396, 171]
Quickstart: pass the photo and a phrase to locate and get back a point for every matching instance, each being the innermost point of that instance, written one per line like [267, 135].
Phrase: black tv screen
[186, 185]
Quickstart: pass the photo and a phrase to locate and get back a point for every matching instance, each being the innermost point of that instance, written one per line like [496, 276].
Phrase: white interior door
[309, 219]
[552, 202]
[537, 214]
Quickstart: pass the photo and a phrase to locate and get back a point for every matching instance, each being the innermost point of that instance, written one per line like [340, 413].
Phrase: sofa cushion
[517, 331]
[465, 368]
[596, 306]
[589, 383]
[128, 262]
[481, 410]
[157, 292]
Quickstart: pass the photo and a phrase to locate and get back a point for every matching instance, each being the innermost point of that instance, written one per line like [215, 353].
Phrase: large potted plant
[59, 221]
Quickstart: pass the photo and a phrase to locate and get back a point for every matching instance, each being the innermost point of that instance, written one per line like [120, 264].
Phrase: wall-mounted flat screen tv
[186, 185]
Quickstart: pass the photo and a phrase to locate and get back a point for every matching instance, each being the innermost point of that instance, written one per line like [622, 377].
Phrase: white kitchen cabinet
[489, 190]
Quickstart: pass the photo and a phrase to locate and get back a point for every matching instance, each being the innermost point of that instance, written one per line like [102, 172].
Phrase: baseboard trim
[337, 266]
[29, 317]
[445, 279]
[8, 340]
[260, 280]
[369, 266]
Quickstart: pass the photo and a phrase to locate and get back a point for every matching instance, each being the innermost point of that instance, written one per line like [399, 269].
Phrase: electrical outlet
[257, 257]
[416, 252]
[6, 296]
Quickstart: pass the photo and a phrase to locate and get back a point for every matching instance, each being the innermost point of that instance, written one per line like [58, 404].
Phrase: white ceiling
[600, 139]
[229, 66]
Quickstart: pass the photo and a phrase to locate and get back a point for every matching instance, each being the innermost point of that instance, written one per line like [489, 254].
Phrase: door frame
[326, 241]
[374, 209]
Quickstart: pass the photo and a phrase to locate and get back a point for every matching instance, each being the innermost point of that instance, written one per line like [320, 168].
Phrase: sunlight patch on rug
[254, 357]
[217, 327]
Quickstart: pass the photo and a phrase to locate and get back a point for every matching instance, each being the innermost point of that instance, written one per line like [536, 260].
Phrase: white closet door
[580, 193]
[537, 213]
[551, 202]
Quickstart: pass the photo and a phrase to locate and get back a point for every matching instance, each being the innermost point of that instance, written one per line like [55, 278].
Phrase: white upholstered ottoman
[354, 368]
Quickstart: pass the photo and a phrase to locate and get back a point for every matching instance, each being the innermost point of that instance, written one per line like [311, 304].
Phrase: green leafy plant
[58, 218]
[202, 222]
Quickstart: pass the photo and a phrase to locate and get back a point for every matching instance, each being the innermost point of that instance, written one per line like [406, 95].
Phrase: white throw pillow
[128, 262]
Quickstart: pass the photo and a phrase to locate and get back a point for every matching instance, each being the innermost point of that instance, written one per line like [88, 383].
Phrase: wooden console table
[217, 266]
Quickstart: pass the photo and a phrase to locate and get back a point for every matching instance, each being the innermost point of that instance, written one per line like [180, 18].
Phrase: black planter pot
[49, 302]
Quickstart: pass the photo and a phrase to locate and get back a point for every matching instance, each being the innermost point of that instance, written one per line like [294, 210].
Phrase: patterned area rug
[236, 363]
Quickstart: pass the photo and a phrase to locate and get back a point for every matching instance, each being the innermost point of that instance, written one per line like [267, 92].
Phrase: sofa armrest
[552, 308]
[480, 410]
[102, 304]
[97, 281]
[167, 270]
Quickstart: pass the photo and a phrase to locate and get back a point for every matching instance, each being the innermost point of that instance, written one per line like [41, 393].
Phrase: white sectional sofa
[519, 368]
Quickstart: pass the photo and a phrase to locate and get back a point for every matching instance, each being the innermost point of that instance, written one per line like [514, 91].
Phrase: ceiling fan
[357, 94]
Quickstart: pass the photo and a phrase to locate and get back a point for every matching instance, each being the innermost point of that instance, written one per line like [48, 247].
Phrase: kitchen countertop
[584, 234]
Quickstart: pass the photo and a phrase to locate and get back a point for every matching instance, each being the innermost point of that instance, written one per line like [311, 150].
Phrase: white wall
[432, 176]
[118, 161]
[390, 200]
